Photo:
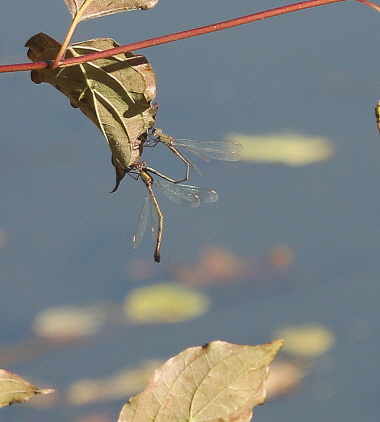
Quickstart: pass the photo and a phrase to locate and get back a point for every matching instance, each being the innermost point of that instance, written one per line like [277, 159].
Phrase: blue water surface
[69, 241]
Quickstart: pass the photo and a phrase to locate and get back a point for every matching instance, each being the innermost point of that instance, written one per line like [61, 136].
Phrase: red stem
[181, 35]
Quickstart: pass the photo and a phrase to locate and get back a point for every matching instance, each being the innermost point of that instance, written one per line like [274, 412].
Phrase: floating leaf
[306, 340]
[16, 389]
[165, 302]
[216, 382]
[126, 382]
[286, 148]
[115, 93]
[96, 8]
[68, 322]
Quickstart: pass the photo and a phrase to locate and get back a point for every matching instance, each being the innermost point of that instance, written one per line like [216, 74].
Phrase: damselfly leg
[217, 150]
[148, 181]
[187, 195]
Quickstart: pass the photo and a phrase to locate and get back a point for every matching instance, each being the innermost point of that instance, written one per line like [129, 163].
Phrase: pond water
[69, 242]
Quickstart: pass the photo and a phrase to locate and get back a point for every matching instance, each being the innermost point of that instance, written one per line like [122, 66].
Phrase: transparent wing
[187, 195]
[178, 193]
[217, 150]
[146, 212]
[204, 194]
[147, 215]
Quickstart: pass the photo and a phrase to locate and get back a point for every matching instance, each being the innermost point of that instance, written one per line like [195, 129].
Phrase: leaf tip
[46, 391]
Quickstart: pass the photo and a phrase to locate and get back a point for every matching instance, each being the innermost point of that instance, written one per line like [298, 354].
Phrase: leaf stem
[69, 35]
[181, 35]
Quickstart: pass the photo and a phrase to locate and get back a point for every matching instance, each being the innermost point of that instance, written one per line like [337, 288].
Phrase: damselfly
[217, 150]
[191, 196]
[187, 195]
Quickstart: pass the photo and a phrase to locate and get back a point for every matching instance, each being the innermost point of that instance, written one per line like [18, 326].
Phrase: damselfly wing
[147, 214]
[186, 195]
[216, 150]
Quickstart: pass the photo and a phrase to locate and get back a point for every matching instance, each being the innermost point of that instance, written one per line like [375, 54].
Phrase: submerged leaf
[97, 8]
[16, 389]
[115, 93]
[216, 382]
[286, 148]
[285, 377]
[165, 302]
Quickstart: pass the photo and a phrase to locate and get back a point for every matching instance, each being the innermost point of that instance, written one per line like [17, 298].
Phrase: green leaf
[216, 382]
[90, 9]
[293, 149]
[15, 389]
[307, 340]
[164, 303]
[115, 93]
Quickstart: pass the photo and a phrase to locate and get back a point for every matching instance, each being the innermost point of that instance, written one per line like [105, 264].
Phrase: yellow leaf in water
[306, 340]
[68, 322]
[287, 148]
[165, 302]
[122, 384]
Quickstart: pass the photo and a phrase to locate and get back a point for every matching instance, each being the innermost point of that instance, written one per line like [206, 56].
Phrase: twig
[181, 35]
[69, 35]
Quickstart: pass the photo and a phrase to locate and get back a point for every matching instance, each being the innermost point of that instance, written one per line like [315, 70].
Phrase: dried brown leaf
[16, 389]
[115, 93]
[96, 8]
[216, 382]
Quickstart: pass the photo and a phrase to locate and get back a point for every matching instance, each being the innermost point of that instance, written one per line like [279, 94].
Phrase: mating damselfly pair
[175, 190]
[116, 94]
